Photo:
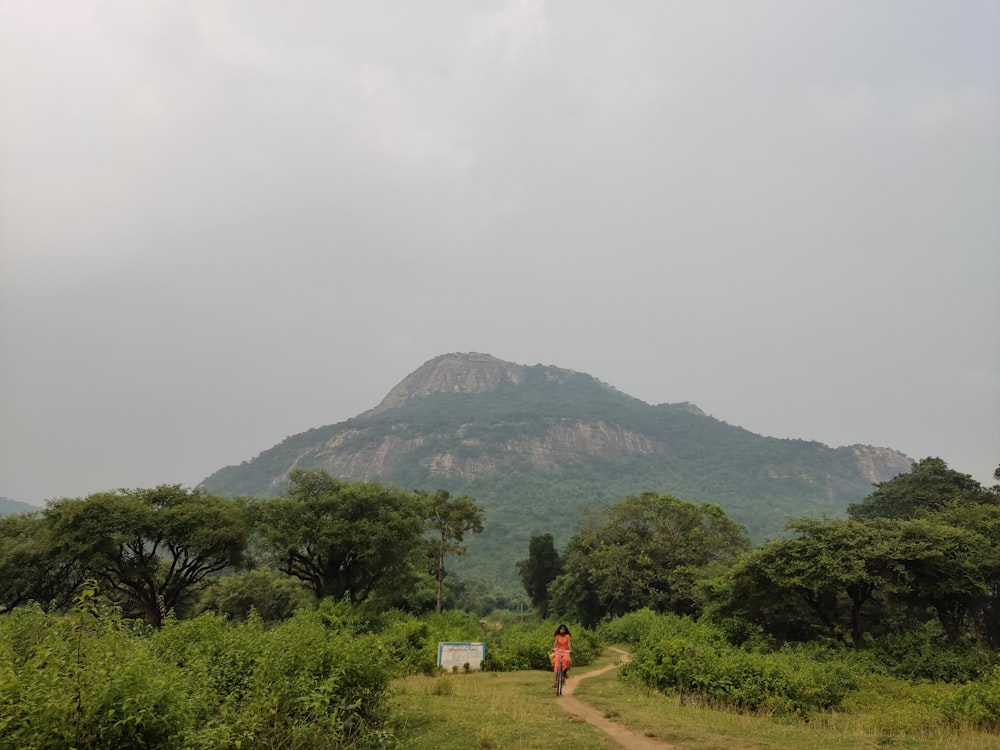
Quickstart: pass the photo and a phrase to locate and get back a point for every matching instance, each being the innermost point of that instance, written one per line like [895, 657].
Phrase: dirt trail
[625, 737]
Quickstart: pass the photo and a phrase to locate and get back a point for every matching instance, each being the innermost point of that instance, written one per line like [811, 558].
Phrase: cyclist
[561, 649]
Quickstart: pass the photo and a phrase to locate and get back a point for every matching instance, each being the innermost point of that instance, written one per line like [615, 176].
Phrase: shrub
[925, 653]
[979, 702]
[89, 679]
[677, 654]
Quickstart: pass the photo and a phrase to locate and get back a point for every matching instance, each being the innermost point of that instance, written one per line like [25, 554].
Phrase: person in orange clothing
[561, 649]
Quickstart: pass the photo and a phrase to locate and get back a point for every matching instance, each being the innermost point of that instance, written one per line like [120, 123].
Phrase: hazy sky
[227, 222]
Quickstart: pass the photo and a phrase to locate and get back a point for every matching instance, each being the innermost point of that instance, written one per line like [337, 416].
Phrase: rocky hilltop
[536, 444]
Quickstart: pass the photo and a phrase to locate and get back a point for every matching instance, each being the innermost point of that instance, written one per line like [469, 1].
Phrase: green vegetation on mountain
[536, 445]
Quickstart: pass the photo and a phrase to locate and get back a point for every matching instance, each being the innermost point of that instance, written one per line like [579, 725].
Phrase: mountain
[534, 445]
[10, 507]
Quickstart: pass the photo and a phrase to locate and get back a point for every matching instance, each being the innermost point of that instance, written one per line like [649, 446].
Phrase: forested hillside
[535, 445]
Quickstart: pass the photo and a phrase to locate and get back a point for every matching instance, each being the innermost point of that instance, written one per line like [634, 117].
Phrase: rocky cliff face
[525, 440]
[879, 465]
[453, 373]
[563, 442]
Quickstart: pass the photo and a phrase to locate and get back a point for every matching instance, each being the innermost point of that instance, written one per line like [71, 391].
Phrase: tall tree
[150, 548]
[542, 566]
[448, 520]
[832, 579]
[354, 539]
[29, 571]
[644, 555]
[929, 487]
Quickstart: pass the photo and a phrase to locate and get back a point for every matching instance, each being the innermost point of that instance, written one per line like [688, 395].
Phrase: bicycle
[560, 674]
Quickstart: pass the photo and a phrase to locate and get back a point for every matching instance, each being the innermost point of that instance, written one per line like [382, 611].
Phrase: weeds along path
[626, 738]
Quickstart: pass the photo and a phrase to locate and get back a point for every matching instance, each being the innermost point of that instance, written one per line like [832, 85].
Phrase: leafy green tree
[830, 580]
[951, 571]
[354, 540]
[28, 569]
[152, 549]
[644, 554]
[448, 520]
[272, 595]
[851, 578]
[929, 487]
[984, 520]
[542, 566]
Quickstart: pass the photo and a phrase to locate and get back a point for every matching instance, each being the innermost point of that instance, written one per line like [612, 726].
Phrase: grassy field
[500, 711]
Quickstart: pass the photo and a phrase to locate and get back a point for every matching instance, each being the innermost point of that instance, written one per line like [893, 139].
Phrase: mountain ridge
[535, 444]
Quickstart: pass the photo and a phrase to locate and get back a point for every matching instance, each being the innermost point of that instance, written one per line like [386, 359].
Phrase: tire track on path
[626, 738]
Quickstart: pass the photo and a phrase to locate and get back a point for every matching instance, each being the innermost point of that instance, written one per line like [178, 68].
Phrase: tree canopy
[931, 486]
[642, 553]
[447, 521]
[542, 566]
[150, 548]
[343, 539]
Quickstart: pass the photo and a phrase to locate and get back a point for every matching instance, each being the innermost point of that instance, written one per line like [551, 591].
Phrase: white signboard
[461, 656]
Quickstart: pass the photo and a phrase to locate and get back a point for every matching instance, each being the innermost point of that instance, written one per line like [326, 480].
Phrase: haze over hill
[536, 444]
[10, 507]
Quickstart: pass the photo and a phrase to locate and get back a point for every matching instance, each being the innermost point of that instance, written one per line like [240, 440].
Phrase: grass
[489, 711]
[498, 711]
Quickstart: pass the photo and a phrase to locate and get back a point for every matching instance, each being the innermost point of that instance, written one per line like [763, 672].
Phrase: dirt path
[625, 737]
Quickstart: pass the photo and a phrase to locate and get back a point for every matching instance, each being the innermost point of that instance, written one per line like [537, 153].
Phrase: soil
[626, 738]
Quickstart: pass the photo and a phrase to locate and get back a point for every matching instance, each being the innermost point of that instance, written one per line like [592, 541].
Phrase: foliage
[979, 703]
[90, 680]
[355, 539]
[644, 552]
[448, 520]
[151, 549]
[542, 566]
[413, 642]
[930, 486]
[758, 481]
[271, 595]
[29, 569]
[849, 579]
[926, 653]
[676, 654]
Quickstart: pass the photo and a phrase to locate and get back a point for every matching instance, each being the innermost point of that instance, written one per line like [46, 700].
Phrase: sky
[224, 222]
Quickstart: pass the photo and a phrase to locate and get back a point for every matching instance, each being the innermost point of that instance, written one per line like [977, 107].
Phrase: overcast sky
[227, 222]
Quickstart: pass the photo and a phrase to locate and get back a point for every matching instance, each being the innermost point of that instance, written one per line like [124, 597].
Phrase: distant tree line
[160, 550]
[922, 547]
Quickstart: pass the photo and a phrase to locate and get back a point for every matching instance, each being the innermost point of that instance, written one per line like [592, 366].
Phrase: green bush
[979, 702]
[413, 642]
[86, 681]
[91, 680]
[675, 654]
[925, 653]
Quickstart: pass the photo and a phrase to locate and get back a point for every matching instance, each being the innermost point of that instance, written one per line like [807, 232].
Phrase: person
[561, 643]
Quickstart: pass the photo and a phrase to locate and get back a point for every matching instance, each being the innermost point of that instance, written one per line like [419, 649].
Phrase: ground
[624, 737]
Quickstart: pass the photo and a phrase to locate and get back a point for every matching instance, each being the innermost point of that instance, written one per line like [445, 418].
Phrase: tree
[832, 579]
[342, 539]
[28, 569]
[150, 548]
[272, 595]
[929, 487]
[541, 568]
[645, 554]
[448, 520]
[950, 570]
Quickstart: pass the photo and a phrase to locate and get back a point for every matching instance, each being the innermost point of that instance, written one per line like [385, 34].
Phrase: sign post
[461, 656]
